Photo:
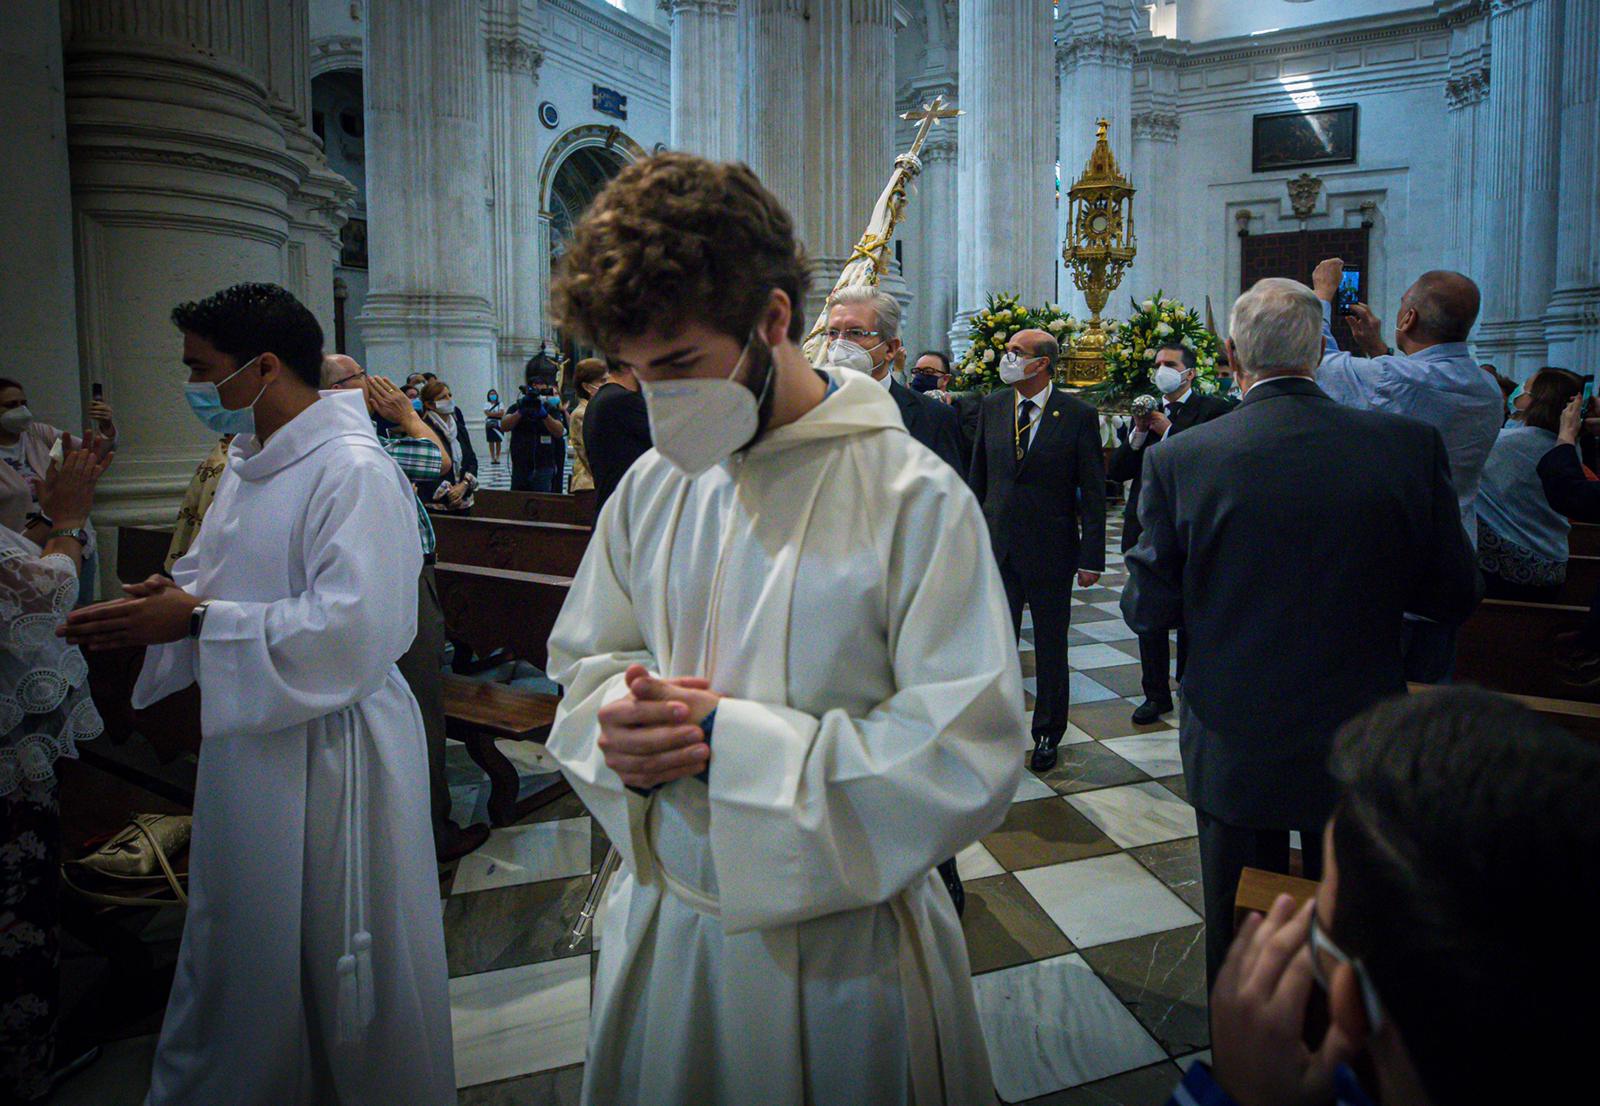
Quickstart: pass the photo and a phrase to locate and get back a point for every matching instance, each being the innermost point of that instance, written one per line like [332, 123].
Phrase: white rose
[1162, 330]
[1149, 354]
[1188, 343]
[1148, 305]
[1058, 326]
[988, 356]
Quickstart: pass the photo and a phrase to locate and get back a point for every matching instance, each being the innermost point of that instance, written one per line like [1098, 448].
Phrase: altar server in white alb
[791, 686]
[312, 969]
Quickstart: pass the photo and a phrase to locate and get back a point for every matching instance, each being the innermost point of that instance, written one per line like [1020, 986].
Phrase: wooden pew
[554, 548]
[141, 552]
[1510, 646]
[495, 609]
[1584, 540]
[532, 507]
[479, 713]
[1258, 890]
[1583, 719]
[1583, 578]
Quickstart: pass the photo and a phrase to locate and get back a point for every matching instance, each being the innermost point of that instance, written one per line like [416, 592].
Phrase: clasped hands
[154, 612]
[652, 735]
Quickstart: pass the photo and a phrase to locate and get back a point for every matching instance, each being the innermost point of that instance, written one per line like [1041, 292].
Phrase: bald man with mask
[1430, 375]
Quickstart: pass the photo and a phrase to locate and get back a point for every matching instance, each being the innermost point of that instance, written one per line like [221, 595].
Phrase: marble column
[775, 99]
[1572, 323]
[1005, 187]
[930, 240]
[1164, 262]
[705, 77]
[1515, 256]
[1094, 56]
[428, 307]
[41, 326]
[1465, 91]
[182, 180]
[514, 57]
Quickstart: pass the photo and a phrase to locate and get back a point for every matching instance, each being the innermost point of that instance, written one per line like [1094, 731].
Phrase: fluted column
[1465, 92]
[1005, 186]
[428, 307]
[775, 93]
[1516, 256]
[514, 58]
[1094, 56]
[1159, 262]
[182, 176]
[1573, 320]
[39, 316]
[929, 231]
[705, 77]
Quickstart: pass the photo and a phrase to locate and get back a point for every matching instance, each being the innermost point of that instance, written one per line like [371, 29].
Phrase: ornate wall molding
[1296, 41]
[1303, 195]
[702, 7]
[1104, 47]
[330, 54]
[1157, 126]
[513, 54]
[283, 179]
[1466, 89]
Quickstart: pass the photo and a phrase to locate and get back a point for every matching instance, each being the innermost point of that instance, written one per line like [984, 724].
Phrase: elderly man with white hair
[1288, 539]
[864, 334]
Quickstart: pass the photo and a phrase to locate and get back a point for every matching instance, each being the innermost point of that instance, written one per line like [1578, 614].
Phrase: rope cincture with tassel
[356, 1003]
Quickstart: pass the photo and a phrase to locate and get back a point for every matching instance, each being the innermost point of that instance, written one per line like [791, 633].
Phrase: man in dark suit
[1181, 408]
[1289, 539]
[931, 376]
[864, 334]
[1038, 470]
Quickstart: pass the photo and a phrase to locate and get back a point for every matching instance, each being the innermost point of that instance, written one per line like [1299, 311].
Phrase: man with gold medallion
[1039, 472]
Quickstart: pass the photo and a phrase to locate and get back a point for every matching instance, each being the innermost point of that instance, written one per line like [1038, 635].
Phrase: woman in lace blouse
[44, 710]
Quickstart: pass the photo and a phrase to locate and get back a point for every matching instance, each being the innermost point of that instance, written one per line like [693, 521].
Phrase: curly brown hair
[674, 239]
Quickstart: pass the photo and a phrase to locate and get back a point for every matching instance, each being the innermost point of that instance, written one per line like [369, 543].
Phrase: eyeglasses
[1322, 945]
[851, 335]
[340, 383]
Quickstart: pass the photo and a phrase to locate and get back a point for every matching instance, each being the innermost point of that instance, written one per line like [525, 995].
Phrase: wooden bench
[1583, 719]
[1583, 578]
[1510, 646]
[1258, 890]
[1584, 540]
[478, 714]
[492, 610]
[554, 548]
[532, 507]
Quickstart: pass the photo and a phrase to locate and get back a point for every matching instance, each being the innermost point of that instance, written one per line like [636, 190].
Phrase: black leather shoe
[1150, 711]
[1044, 752]
[952, 883]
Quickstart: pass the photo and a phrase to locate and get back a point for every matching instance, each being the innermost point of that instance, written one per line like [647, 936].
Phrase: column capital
[1156, 126]
[1503, 7]
[701, 7]
[1467, 88]
[513, 53]
[1104, 47]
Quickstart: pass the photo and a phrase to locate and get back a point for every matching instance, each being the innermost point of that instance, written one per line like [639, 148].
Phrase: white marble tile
[520, 1020]
[1111, 629]
[1189, 1061]
[1137, 814]
[470, 804]
[1030, 684]
[1114, 606]
[1032, 787]
[526, 854]
[975, 862]
[1105, 898]
[1155, 753]
[1053, 1024]
[1074, 735]
[1098, 655]
[529, 756]
[1085, 690]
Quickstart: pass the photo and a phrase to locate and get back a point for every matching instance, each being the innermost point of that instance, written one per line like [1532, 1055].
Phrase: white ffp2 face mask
[1013, 368]
[696, 422]
[1168, 380]
[847, 355]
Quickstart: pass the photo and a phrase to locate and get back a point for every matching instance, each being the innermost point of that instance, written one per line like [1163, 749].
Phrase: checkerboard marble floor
[1083, 920]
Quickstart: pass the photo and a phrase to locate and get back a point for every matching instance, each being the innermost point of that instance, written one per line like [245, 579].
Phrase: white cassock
[311, 556]
[779, 936]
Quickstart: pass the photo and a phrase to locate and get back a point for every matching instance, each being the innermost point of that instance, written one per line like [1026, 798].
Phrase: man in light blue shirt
[1433, 378]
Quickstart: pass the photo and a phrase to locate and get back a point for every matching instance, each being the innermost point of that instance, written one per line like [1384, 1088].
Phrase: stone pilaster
[705, 77]
[1572, 323]
[183, 172]
[1465, 92]
[1515, 256]
[1005, 190]
[513, 56]
[929, 228]
[1154, 170]
[428, 308]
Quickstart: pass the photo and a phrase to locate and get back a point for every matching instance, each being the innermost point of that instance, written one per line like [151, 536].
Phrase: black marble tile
[1045, 831]
[1111, 717]
[1087, 613]
[1151, 1086]
[1125, 679]
[1161, 977]
[1004, 926]
[1076, 636]
[1177, 785]
[1176, 864]
[561, 1087]
[1087, 766]
[506, 927]
[1096, 594]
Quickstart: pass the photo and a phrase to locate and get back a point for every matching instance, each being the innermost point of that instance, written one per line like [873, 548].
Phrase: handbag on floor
[139, 866]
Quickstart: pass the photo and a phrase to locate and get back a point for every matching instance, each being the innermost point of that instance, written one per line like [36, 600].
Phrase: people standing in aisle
[588, 376]
[1038, 471]
[778, 713]
[1181, 407]
[492, 413]
[1288, 540]
[538, 429]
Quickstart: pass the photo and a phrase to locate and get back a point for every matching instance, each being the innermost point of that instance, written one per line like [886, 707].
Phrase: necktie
[1024, 425]
[1172, 411]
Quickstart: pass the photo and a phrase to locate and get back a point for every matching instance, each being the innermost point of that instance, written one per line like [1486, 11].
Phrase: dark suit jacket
[1569, 491]
[616, 433]
[968, 407]
[1127, 462]
[1289, 540]
[931, 423]
[1046, 515]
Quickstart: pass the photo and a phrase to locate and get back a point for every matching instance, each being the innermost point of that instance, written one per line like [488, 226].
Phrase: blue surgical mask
[417, 403]
[206, 403]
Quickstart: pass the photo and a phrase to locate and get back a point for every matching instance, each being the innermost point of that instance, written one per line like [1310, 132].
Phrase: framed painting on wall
[1294, 139]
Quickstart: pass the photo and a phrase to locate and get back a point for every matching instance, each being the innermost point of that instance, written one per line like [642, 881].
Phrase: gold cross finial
[929, 117]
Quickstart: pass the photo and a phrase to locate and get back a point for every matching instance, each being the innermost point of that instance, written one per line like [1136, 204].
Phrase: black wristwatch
[197, 617]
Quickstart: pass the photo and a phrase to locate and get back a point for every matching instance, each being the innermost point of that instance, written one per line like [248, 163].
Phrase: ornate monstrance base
[1086, 364]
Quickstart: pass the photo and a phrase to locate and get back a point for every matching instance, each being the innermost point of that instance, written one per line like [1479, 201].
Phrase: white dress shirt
[1039, 401]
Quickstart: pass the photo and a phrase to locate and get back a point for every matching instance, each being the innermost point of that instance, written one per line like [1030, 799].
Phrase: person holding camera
[538, 429]
[1430, 376]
